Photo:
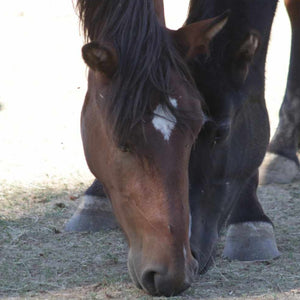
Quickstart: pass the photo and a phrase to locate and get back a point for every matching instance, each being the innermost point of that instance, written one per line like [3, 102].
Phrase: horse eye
[124, 148]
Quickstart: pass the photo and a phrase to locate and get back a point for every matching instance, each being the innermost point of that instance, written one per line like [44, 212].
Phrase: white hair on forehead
[164, 121]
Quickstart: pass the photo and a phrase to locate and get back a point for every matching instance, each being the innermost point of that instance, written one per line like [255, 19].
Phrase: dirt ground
[43, 173]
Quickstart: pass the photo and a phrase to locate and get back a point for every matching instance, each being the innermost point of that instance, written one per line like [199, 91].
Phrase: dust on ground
[43, 173]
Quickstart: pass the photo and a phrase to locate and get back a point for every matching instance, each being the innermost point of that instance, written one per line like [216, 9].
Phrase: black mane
[146, 56]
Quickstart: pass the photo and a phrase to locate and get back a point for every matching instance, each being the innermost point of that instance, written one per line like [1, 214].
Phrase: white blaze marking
[163, 120]
[173, 102]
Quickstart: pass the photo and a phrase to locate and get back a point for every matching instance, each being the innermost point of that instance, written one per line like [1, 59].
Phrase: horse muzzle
[162, 279]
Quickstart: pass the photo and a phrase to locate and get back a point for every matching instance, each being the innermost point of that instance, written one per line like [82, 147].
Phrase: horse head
[141, 116]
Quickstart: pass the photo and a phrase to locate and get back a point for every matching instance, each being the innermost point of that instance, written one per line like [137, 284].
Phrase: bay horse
[140, 119]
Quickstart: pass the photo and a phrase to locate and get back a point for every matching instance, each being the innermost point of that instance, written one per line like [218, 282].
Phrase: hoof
[250, 241]
[277, 169]
[93, 214]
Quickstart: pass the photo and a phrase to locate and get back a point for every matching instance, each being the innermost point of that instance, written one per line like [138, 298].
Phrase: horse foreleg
[282, 165]
[94, 212]
[250, 234]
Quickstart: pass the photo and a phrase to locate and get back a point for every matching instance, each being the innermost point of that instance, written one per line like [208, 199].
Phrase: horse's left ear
[101, 58]
[243, 58]
[194, 39]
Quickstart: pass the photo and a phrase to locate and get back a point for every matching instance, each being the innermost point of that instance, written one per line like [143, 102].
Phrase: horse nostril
[148, 282]
[163, 284]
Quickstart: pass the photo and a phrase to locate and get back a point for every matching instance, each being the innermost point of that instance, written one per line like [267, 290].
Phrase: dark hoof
[251, 241]
[93, 214]
[277, 169]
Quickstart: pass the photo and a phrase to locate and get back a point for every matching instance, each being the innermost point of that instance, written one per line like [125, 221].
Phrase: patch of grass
[39, 260]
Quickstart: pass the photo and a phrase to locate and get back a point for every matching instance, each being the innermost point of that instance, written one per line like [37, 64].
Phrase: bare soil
[43, 173]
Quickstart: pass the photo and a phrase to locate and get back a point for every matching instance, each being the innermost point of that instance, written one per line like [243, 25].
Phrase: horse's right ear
[101, 58]
[194, 39]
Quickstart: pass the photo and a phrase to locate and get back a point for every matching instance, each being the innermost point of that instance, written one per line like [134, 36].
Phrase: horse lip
[133, 274]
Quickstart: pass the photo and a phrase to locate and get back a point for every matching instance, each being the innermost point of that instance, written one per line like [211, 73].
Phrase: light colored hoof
[251, 241]
[277, 169]
[93, 214]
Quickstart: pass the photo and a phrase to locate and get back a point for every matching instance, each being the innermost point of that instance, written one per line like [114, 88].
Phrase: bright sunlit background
[43, 82]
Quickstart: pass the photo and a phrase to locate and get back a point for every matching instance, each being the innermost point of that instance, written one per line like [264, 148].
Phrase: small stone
[60, 205]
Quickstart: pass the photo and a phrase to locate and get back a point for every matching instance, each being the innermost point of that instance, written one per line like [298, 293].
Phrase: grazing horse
[140, 119]
[230, 148]
[282, 165]
[176, 168]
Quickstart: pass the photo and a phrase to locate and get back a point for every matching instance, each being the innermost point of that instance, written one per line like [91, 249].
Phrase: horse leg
[281, 164]
[250, 234]
[94, 213]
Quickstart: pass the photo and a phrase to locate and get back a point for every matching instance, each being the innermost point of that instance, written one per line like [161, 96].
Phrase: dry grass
[37, 256]
[38, 259]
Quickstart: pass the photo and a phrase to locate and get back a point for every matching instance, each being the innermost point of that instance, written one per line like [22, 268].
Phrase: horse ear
[244, 57]
[101, 58]
[194, 39]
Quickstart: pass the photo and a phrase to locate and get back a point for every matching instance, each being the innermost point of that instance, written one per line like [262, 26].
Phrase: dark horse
[175, 130]
[283, 165]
